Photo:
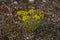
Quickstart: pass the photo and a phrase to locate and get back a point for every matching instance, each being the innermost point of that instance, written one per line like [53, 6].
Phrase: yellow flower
[41, 14]
[18, 17]
[26, 18]
[36, 17]
[20, 12]
[25, 13]
[31, 11]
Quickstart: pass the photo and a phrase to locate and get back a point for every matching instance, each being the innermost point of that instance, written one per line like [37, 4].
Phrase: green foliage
[32, 26]
[6, 38]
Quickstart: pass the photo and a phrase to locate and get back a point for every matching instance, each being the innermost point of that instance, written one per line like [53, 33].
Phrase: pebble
[43, 0]
[27, 38]
[16, 22]
[15, 2]
[21, 5]
[52, 19]
[53, 15]
[31, 0]
[48, 19]
[15, 7]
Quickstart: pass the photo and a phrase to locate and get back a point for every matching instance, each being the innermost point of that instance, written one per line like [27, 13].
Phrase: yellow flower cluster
[41, 14]
[25, 17]
[22, 12]
[31, 11]
[36, 17]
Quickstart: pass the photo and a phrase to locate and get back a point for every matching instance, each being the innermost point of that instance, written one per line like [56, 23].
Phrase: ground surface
[9, 30]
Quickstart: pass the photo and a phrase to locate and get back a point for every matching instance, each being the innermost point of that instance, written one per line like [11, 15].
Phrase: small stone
[16, 22]
[52, 19]
[8, 14]
[31, 0]
[33, 7]
[27, 38]
[11, 14]
[15, 2]
[44, 0]
[15, 7]
[15, 15]
[48, 19]
[53, 15]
